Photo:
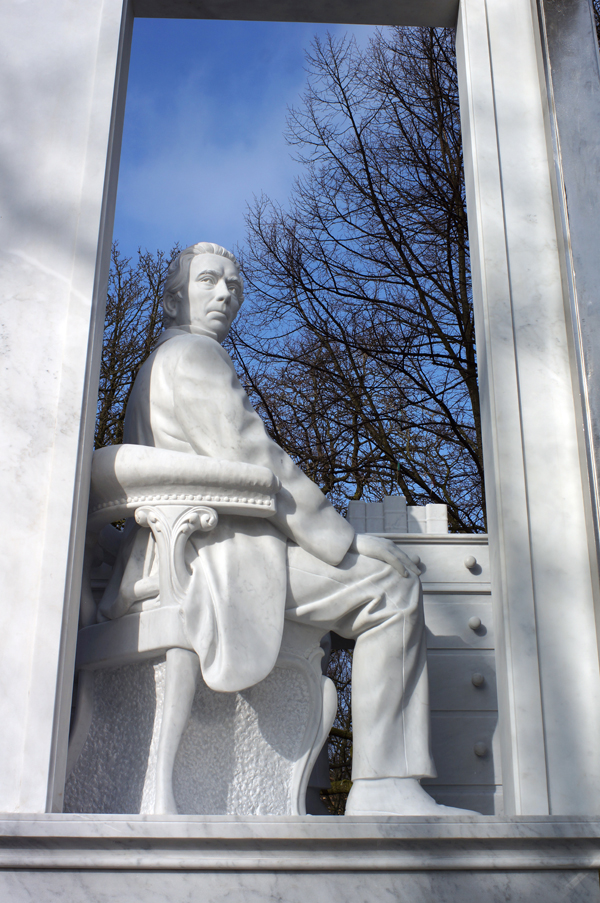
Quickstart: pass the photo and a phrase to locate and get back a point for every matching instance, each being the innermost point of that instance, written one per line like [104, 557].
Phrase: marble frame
[61, 165]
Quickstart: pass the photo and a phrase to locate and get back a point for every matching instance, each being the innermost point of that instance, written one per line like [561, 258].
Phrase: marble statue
[304, 563]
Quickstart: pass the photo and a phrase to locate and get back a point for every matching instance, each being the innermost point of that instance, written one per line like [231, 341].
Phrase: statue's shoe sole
[443, 812]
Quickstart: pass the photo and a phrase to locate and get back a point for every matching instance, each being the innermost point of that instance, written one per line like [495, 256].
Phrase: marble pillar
[544, 566]
[572, 70]
[61, 106]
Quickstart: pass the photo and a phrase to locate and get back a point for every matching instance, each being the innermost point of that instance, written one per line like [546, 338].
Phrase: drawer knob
[477, 679]
[415, 559]
[470, 562]
[474, 623]
[480, 749]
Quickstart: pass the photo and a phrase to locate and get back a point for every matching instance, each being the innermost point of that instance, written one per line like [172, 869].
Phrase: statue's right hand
[384, 550]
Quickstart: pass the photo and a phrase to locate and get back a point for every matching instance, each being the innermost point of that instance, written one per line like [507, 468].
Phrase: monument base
[295, 887]
[214, 859]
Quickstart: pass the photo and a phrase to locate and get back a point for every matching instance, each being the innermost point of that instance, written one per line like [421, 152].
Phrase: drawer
[454, 736]
[447, 621]
[443, 560]
[450, 686]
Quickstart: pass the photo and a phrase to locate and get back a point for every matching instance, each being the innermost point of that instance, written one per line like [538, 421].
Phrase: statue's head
[203, 290]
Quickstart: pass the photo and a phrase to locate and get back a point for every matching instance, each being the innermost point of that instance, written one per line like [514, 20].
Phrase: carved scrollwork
[172, 526]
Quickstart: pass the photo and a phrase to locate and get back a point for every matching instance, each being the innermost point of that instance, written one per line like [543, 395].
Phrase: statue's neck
[173, 331]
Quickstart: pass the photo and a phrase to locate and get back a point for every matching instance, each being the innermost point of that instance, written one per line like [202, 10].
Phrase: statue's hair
[178, 273]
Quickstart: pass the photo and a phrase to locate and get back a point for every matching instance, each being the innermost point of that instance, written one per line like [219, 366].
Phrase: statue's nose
[223, 293]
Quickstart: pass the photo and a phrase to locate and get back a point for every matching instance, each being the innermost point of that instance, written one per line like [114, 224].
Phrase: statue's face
[214, 293]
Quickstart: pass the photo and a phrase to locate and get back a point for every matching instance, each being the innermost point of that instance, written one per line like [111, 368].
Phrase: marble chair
[242, 753]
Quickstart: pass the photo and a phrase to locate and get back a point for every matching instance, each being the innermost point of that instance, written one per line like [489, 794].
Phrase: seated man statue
[305, 563]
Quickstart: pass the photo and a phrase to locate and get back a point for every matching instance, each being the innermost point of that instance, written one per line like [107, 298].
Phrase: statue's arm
[218, 420]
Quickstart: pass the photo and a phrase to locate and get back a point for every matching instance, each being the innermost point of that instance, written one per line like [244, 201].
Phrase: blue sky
[204, 122]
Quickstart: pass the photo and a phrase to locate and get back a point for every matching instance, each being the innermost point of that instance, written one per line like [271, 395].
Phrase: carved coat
[187, 398]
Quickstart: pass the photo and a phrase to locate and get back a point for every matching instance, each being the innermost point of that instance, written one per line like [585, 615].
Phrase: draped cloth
[235, 604]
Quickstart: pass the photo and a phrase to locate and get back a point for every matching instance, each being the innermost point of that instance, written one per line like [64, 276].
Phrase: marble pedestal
[327, 860]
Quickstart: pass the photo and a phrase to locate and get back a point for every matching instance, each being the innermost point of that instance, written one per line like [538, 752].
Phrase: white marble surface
[248, 753]
[293, 887]
[125, 477]
[309, 843]
[543, 557]
[462, 714]
[393, 515]
[59, 118]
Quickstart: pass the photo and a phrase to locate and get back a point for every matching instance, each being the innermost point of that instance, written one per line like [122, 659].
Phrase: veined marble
[88, 886]
[471, 843]
[128, 859]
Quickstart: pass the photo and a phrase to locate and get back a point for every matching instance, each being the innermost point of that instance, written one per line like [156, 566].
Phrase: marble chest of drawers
[462, 672]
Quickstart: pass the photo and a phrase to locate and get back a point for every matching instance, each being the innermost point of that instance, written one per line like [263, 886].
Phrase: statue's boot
[396, 796]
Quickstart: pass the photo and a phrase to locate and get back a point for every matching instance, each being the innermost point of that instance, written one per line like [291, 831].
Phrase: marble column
[544, 566]
[572, 70]
[63, 67]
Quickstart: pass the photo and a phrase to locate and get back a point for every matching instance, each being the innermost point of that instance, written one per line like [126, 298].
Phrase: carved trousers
[367, 600]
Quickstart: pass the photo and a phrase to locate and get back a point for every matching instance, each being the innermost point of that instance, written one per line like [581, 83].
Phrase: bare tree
[132, 326]
[340, 737]
[357, 343]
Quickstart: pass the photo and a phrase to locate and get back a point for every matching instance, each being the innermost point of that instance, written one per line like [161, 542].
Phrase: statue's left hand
[384, 550]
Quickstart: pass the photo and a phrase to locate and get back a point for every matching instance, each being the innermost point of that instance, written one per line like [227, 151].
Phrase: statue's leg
[367, 600]
[390, 705]
[182, 672]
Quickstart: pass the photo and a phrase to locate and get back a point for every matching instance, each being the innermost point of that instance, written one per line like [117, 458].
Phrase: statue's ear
[170, 304]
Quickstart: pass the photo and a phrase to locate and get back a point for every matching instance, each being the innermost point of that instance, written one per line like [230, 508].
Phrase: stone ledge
[281, 843]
